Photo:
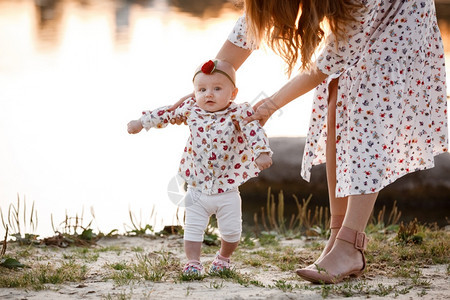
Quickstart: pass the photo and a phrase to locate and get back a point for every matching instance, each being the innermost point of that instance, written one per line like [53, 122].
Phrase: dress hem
[385, 183]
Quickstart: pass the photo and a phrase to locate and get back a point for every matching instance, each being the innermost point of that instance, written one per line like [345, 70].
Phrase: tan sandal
[319, 275]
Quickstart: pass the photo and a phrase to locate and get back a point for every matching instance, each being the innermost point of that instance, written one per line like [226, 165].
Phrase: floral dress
[391, 109]
[217, 157]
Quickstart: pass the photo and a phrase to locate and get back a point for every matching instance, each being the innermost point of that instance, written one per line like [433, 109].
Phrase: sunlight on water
[72, 75]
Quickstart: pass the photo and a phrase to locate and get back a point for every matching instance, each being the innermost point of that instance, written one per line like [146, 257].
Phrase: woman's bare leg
[338, 206]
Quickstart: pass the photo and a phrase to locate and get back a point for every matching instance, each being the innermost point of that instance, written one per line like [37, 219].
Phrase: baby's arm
[159, 118]
[256, 138]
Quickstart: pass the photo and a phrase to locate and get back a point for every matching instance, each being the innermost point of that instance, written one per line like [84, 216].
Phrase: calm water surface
[73, 73]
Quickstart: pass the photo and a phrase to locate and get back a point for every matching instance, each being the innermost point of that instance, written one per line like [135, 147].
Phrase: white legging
[227, 208]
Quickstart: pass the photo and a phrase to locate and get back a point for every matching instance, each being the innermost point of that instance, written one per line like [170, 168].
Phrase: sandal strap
[223, 258]
[359, 239]
[193, 262]
[336, 221]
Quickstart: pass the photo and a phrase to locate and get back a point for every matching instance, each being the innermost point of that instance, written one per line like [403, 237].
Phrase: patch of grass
[137, 228]
[210, 249]
[37, 276]
[182, 277]
[360, 289]
[418, 281]
[26, 252]
[73, 231]
[422, 293]
[311, 221]
[68, 256]
[285, 259]
[273, 216]
[120, 296]
[112, 248]
[248, 242]
[86, 254]
[188, 291]
[397, 257]
[124, 277]
[283, 285]
[252, 261]
[233, 275]
[268, 239]
[411, 233]
[381, 222]
[118, 266]
[314, 245]
[216, 285]
[18, 220]
[257, 283]
[152, 267]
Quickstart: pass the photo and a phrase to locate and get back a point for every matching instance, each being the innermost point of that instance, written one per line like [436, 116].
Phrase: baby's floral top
[217, 157]
[391, 109]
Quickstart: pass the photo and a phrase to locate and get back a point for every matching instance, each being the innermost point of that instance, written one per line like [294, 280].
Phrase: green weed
[283, 285]
[37, 276]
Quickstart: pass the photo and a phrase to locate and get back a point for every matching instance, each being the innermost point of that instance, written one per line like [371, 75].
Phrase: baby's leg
[192, 249]
[227, 249]
[229, 220]
[196, 222]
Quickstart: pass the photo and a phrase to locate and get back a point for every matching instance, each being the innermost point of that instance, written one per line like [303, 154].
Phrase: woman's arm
[296, 87]
[233, 54]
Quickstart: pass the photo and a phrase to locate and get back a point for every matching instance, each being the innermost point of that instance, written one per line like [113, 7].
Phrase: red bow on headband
[209, 67]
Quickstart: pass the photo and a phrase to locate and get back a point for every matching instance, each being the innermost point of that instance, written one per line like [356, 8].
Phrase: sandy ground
[95, 286]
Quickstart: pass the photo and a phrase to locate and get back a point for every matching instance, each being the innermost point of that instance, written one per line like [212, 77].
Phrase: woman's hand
[294, 88]
[263, 161]
[135, 126]
[263, 110]
[179, 120]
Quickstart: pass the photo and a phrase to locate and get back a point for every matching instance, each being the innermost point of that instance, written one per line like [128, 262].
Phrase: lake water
[73, 73]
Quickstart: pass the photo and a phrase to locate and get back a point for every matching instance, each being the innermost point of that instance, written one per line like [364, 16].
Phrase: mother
[379, 110]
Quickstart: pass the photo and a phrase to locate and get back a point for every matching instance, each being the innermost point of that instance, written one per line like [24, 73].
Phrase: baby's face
[213, 92]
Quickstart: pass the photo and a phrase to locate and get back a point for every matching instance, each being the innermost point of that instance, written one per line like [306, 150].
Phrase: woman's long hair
[292, 25]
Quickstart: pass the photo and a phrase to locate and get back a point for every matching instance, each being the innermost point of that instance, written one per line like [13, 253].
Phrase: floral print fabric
[217, 157]
[391, 109]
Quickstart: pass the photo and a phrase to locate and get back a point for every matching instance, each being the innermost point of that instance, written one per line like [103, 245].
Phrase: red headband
[209, 67]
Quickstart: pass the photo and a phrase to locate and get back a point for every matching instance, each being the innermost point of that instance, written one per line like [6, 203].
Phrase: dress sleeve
[337, 56]
[160, 117]
[238, 35]
[253, 132]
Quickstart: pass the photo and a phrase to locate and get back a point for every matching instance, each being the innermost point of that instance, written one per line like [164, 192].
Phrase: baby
[221, 154]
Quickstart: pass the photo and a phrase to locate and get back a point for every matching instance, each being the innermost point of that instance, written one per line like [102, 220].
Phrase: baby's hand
[263, 161]
[135, 126]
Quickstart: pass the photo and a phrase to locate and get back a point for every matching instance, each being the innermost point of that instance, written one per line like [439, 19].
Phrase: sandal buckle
[360, 241]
